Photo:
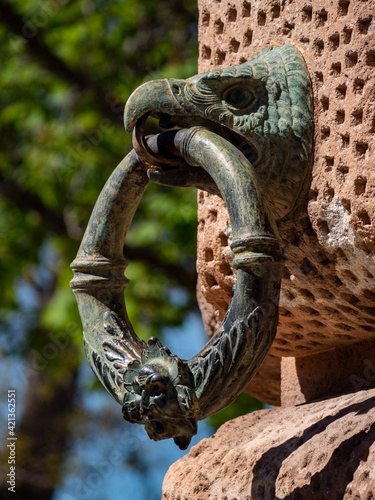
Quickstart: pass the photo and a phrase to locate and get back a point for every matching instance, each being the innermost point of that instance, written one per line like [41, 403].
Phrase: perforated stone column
[324, 447]
[328, 291]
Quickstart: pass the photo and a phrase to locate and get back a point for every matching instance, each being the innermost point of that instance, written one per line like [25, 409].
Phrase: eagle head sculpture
[263, 107]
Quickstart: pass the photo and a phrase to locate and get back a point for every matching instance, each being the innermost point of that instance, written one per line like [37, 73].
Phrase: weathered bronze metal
[262, 108]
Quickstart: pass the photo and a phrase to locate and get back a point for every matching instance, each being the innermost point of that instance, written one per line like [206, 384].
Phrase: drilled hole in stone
[262, 18]
[345, 327]
[367, 328]
[321, 18]
[307, 226]
[343, 7]
[326, 294]
[281, 342]
[370, 58]
[343, 336]
[288, 27]
[206, 52]
[360, 185]
[289, 295]
[307, 294]
[340, 116]
[369, 310]
[295, 240]
[218, 26]
[317, 335]
[356, 117]
[313, 195]
[329, 162]
[347, 310]
[343, 170]
[205, 18]
[341, 255]
[325, 133]
[275, 11]
[308, 267]
[295, 326]
[246, 9]
[219, 57]
[334, 41]
[350, 298]
[324, 101]
[345, 140]
[234, 46]
[346, 204]
[232, 14]
[318, 47]
[302, 347]
[212, 216]
[319, 77]
[313, 343]
[335, 69]
[323, 227]
[315, 323]
[333, 312]
[248, 38]
[323, 259]
[211, 280]
[364, 24]
[369, 294]
[358, 85]
[361, 149]
[349, 275]
[341, 91]
[307, 13]
[208, 255]
[328, 194]
[285, 312]
[347, 35]
[226, 269]
[223, 239]
[367, 273]
[351, 59]
[364, 217]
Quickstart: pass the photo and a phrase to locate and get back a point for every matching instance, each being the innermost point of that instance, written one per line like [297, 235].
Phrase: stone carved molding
[318, 451]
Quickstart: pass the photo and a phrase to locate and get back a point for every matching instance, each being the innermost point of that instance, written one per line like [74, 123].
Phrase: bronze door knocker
[245, 133]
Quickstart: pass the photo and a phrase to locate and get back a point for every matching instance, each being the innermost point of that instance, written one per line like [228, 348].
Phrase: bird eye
[239, 97]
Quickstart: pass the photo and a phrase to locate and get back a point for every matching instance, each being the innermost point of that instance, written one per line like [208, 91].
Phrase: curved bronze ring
[166, 394]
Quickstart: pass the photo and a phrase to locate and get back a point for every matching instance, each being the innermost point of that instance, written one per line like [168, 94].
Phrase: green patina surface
[246, 134]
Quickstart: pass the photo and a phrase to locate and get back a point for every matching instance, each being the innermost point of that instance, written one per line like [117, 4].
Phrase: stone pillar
[328, 291]
[323, 357]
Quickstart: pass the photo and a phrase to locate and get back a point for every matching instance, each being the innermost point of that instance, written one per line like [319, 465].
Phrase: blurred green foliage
[67, 69]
